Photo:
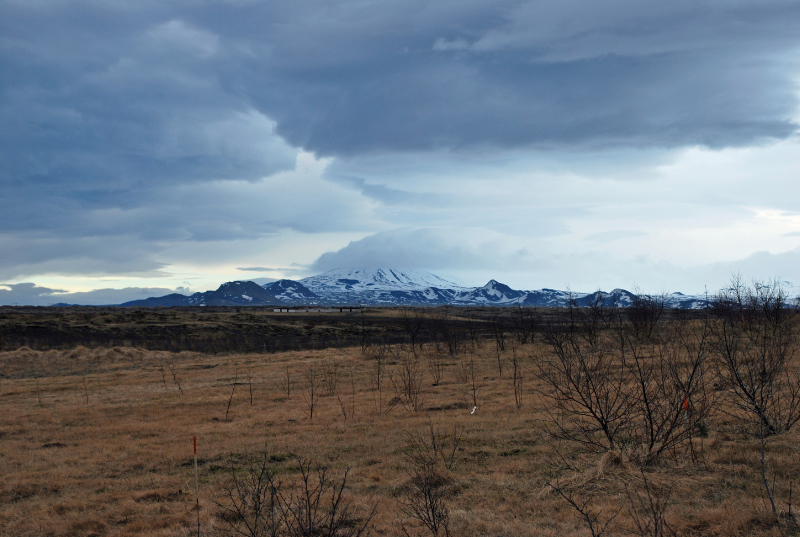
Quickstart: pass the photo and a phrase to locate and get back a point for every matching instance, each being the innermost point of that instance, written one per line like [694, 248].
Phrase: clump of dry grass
[99, 442]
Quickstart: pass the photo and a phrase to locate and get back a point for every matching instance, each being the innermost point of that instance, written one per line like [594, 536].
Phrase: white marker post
[196, 485]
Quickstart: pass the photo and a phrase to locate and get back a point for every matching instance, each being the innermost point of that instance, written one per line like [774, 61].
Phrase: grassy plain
[99, 442]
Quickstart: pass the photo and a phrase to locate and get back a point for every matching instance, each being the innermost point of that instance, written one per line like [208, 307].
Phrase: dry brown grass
[99, 442]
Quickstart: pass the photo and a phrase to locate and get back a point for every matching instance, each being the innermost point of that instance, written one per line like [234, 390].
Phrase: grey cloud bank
[33, 295]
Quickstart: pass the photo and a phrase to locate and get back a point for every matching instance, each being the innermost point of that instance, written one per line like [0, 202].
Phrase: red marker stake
[196, 485]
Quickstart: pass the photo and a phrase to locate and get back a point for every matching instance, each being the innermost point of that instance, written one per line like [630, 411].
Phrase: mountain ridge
[392, 287]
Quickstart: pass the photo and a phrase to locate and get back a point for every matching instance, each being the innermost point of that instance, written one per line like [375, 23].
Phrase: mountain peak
[376, 279]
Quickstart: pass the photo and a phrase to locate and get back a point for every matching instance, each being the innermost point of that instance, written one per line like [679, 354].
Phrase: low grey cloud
[426, 248]
[532, 268]
[32, 295]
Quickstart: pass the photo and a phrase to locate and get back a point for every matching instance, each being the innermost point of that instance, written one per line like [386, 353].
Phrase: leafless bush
[175, 380]
[516, 377]
[377, 379]
[644, 313]
[435, 364]
[287, 381]
[233, 390]
[755, 337]
[331, 380]
[311, 391]
[672, 396]
[614, 389]
[591, 517]
[435, 446]
[524, 324]
[473, 331]
[499, 331]
[258, 504]
[348, 407]
[589, 388]
[424, 501]
[406, 380]
[648, 509]
[476, 382]
[446, 334]
[251, 505]
[315, 505]
[413, 324]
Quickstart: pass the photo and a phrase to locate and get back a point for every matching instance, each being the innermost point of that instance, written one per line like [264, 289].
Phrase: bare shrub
[311, 391]
[251, 505]
[378, 374]
[755, 337]
[648, 509]
[424, 501]
[406, 380]
[588, 387]
[516, 377]
[233, 391]
[434, 446]
[315, 505]
[258, 504]
[672, 396]
[627, 388]
[331, 376]
[413, 324]
[435, 364]
[591, 517]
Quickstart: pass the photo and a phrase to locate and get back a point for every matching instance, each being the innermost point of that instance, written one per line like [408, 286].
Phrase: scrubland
[602, 422]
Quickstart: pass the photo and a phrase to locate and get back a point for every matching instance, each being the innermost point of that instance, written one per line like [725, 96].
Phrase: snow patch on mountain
[360, 279]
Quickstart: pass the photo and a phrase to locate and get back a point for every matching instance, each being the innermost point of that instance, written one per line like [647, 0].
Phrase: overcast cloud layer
[168, 143]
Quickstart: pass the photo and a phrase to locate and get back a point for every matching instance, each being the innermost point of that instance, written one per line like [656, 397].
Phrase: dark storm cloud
[112, 112]
[349, 78]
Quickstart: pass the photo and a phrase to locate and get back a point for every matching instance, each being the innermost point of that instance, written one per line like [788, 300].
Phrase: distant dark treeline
[252, 330]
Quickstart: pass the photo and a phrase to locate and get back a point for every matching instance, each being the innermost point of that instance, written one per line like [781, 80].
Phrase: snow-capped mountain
[355, 279]
[289, 290]
[228, 294]
[391, 287]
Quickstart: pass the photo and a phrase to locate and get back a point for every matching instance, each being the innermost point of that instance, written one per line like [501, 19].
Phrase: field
[98, 441]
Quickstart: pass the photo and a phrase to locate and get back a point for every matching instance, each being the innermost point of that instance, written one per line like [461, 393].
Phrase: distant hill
[228, 294]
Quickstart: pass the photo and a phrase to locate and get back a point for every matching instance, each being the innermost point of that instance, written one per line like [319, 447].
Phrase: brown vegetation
[606, 422]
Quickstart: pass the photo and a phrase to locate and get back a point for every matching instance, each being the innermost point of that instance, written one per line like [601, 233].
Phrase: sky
[149, 147]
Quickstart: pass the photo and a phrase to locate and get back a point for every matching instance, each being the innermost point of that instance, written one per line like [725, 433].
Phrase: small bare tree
[311, 391]
[175, 377]
[475, 381]
[251, 506]
[407, 381]
[331, 379]
[378, 375]
[435, 446]
[424, 501]
[516, 378]
[591, 517]
[590, 391]
[233, 390]
[435, 365]
[649, 509]
[258, 504]
[315, 505]
[287, 382]
[755, 337]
